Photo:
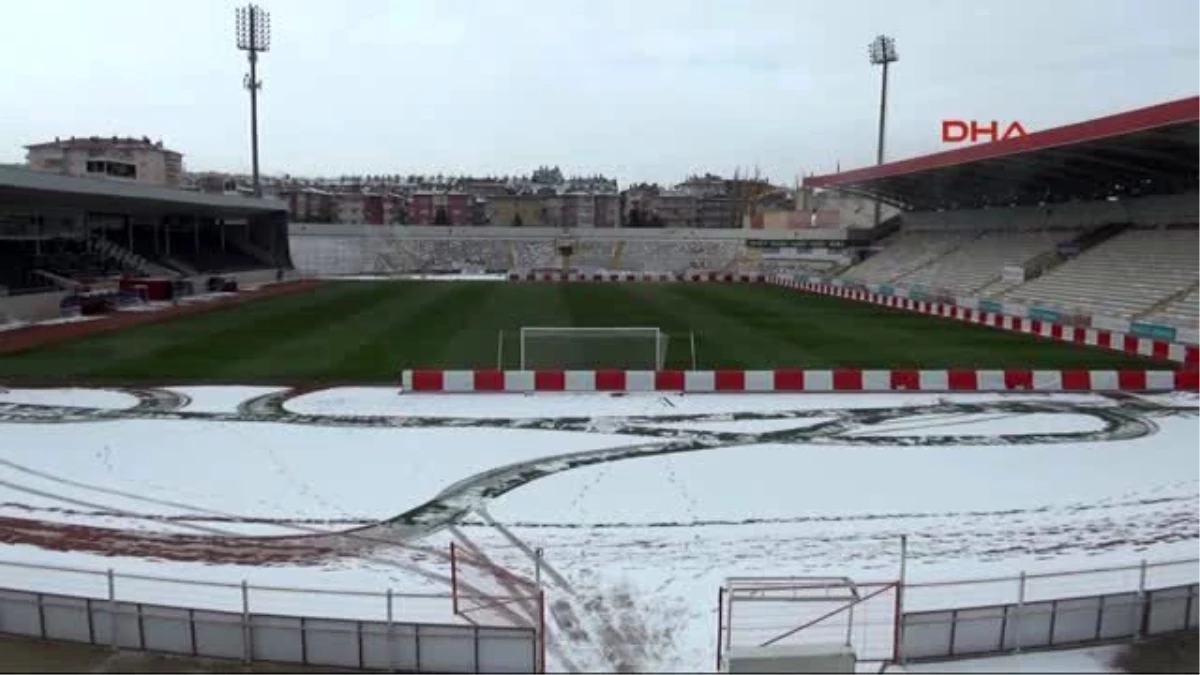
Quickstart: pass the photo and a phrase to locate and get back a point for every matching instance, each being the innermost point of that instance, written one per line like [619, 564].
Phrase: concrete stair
[1159, 304]
[128, 258]
[181, 266]
[933, 259]
[61, 282]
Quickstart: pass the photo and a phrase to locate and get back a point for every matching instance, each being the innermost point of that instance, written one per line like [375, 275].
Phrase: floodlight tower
[253, 36]
[882, 51]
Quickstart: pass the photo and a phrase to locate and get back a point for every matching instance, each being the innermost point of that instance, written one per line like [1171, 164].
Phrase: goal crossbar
[623, 348]
[596, 331]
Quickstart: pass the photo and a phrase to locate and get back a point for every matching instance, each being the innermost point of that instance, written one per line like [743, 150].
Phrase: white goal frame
[660, 338]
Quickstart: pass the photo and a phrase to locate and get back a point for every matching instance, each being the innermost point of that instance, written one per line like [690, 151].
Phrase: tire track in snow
[459, 499]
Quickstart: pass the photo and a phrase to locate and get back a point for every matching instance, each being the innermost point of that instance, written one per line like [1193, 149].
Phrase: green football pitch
[368, 331]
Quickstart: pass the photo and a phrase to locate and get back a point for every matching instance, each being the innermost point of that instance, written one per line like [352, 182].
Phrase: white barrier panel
[1110, 323]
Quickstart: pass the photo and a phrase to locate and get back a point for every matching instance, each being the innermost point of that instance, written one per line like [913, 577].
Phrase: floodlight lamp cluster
[882, 50]
[253, 29]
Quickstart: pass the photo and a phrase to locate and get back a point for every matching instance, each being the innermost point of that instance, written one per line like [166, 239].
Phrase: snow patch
[83, 398]
[220, 399]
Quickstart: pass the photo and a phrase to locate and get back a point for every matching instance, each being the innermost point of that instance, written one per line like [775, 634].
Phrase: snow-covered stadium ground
[983, 485]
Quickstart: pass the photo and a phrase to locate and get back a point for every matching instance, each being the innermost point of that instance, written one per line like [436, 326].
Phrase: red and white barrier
[765, 381]
[640, 277]
[1094, 337]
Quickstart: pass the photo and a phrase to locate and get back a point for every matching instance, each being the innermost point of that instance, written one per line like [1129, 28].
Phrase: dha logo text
[957, 131]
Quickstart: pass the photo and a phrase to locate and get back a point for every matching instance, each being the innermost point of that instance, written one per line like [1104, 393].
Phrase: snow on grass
[85, 398]
[1173, 398]
[255, 470]
[357, 590]
[158, 305]
[220, 399]
[774, 481]
[744, 426]
[986, 424]
[391, 401]
[78, 318]
[662, 533]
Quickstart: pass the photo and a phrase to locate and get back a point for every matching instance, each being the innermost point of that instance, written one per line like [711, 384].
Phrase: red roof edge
[1120, 124]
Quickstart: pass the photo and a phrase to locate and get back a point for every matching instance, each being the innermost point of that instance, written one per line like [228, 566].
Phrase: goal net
[593, 348]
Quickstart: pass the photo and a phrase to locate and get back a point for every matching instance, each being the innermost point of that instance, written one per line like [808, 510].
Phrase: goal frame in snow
[810, 610]
[655, 335]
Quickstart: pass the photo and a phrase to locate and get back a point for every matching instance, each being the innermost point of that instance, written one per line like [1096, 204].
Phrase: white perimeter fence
[324, 627]
[901, 619]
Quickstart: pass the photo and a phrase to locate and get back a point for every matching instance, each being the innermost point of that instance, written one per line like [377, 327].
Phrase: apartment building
[310, 205]
[131, 160]
[439, 208]
[675, 208]
[607, 210]
[518, 211]
[368, 208]
[707, 185]
[584, 210]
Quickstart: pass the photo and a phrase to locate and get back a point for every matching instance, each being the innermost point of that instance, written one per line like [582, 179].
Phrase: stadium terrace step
[792, 381]
[1150, 264]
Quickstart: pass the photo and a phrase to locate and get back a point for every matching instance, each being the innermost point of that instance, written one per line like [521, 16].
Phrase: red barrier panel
[610, 380]
[428, 380]
[1131, 380]
[729, 380]
[489, 380]
[1076, 380]
[847, 380]
[1018, 379]
[549, 380]
[669, 380]
[906, 379]
[962, 380]
[789, 380]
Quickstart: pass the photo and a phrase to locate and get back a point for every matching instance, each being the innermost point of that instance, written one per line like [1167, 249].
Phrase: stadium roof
[1146, 151]
[20, 185]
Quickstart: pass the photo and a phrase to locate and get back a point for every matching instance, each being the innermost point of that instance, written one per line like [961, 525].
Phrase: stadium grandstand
[64, 238]
[355, 249]
[1093, 223]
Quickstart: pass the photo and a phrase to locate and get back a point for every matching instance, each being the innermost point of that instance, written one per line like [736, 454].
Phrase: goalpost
[630, 348]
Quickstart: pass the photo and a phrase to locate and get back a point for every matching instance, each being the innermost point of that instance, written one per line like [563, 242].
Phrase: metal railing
[945, 619]
[356, 629]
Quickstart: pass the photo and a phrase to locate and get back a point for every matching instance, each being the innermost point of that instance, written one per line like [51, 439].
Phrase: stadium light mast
[882, 51]
[253, 37]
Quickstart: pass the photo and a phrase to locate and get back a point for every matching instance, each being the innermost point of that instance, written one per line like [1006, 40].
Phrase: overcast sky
[639, 90]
